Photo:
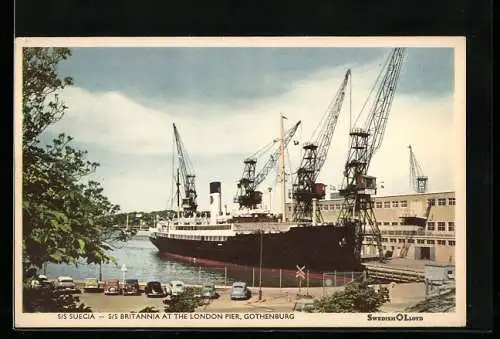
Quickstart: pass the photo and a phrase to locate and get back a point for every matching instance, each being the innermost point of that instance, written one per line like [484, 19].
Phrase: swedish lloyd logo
[397, 317]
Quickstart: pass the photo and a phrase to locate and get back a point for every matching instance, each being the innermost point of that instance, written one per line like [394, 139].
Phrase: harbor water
[143, 262]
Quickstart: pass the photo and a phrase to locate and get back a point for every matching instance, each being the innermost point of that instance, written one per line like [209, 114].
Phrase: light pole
[270, 189]
[260, 266]
[124, 270]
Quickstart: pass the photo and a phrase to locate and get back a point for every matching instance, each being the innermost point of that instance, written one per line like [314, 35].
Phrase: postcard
[240, 182]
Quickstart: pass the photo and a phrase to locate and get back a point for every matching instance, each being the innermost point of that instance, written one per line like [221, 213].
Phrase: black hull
[319, 248]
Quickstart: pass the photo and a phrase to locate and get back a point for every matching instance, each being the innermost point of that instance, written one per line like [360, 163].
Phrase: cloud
[218, 136]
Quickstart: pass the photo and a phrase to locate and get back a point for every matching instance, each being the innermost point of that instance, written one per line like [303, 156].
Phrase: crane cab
[366, 184]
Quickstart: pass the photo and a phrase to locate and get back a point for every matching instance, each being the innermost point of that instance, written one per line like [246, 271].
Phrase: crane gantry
[357, 187]
[305, 189]
[418, 181]
[247, 195]
[185, 174]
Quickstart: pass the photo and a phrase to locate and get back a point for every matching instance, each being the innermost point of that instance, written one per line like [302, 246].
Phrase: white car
[176, 287]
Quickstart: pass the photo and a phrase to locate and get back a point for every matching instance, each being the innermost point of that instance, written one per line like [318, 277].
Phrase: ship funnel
[215, 201]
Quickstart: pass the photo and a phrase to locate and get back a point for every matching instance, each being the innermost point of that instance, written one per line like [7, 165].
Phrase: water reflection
[144, 263]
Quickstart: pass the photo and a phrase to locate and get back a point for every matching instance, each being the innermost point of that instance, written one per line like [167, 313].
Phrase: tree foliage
[66, 217]
[45, 300]
[188, 301]
[355, 298]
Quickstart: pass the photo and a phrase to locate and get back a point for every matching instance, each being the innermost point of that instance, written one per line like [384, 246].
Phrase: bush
[189, 301]
[44, 300]
[355, 298]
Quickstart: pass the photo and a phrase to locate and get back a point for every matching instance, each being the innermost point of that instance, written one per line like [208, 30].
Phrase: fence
[280, 278]
[332, 281]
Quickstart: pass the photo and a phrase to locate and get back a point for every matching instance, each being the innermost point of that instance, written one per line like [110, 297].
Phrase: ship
[254, 237]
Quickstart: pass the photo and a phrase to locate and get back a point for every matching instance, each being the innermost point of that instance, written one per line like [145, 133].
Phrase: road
[273, 300]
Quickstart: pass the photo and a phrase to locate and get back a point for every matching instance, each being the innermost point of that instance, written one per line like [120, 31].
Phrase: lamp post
[270, 189]
[124, 270]
[260, 265]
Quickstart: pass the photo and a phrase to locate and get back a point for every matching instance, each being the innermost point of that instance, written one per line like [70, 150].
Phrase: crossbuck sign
[300, 273]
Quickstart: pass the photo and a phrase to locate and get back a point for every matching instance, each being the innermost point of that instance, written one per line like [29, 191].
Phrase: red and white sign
[300, 273]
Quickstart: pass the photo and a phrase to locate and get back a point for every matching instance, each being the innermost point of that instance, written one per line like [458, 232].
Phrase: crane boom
[273, 158]
[187, 177]
[247, 195]
[305, 189]
[357, 186]
[418, 181]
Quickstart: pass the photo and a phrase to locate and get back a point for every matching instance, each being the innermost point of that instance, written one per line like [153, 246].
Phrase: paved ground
[273, 300]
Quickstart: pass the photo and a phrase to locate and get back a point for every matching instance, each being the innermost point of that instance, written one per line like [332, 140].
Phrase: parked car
[91, 285]
[131, 287]
[154, 289]
[41, 282]
[240, 290]
[208, 291]
[304, 305]
[112, 287]
[64, 285]
[176, 287]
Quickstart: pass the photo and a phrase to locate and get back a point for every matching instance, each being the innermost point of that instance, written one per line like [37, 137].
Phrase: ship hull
[319, 248]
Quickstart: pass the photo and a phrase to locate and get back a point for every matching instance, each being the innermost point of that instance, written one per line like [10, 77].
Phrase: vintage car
[112, 287]
[64, 285]
[176, 287]
[131, 287]
[91, 285]
[41, 282]
[240, 290]
[154, 289]
[208, 291]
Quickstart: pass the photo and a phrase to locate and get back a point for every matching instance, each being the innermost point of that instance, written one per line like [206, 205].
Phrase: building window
[384, 239]
[451, 201]
[411, 241]
[386, 223]
[378, 204]
[451, 242]
[430, 242]
[401, 241]
[325, 207]
[420, 241]
[338, 206]
[289, 208]
[432, 202]
[441, 226]
[404, 203]
[441, 202]
[387, 204]
[392, 240]
[379, 223]
[395, 204]
[430, 226]
[332, 207]
[451, 226]
[394, 223]
[441, 242]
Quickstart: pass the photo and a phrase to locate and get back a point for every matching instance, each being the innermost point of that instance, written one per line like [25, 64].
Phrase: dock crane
[247, 195]
[357, 186]
[418, 181]
[185, 173]
[305, 190]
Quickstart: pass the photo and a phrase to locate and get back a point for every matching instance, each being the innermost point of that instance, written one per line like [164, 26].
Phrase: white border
[456, 319]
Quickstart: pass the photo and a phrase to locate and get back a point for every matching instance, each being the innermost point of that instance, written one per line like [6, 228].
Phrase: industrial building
[413, 226]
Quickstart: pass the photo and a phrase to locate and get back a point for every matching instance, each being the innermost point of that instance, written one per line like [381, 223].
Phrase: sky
[226, 104]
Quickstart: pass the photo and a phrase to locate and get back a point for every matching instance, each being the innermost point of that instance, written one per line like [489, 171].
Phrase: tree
[65, 217]
[355, 298]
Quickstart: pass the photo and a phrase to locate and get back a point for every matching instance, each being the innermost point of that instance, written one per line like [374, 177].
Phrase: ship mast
[282, 168]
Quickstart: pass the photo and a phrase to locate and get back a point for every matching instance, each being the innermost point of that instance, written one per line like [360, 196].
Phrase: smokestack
[215, 201]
